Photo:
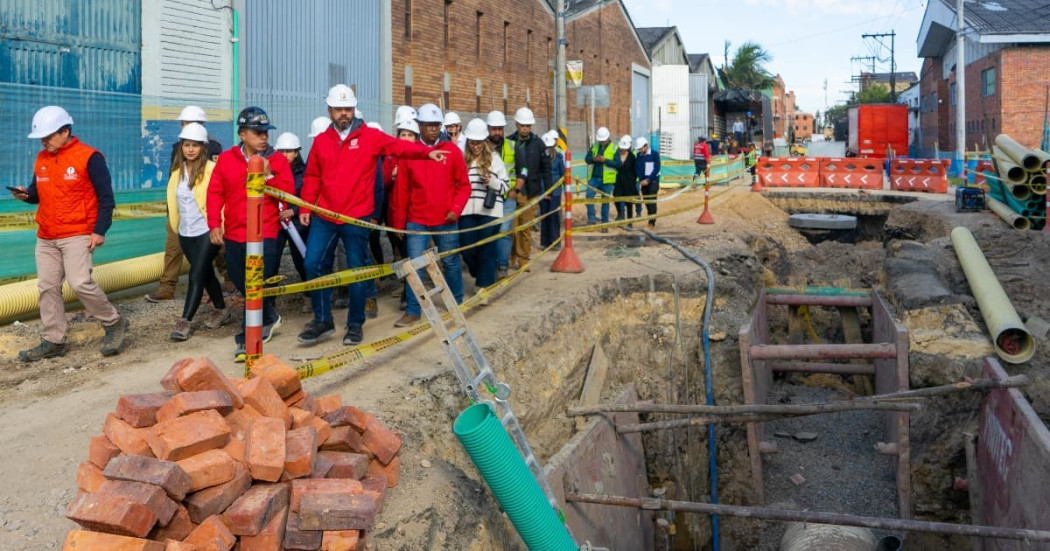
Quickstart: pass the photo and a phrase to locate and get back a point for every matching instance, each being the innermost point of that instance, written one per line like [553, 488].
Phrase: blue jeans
[480, 260]
[320, 252]
[505, 243]
[235, 256]
[550, 227]
[591, 194]
[449, 265]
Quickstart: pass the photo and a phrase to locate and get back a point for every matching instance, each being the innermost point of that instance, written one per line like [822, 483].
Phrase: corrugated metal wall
[293, 52]
[698, 106]
[83, 55]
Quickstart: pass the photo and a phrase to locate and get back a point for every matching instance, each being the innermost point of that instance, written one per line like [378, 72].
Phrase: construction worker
[454, 130]
[647, 167]
[341, 177]
[550, 227]
[532, 167]
[227, 209]
[502, 147]
[701, 157]
[430, 197]
[604, 164]
[169, 278]
[408, 130]
[72, 185]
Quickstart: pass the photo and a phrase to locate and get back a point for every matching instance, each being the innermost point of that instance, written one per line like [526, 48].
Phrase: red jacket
[426, 191]
[341, 175]
[68, 204]
[228, 196]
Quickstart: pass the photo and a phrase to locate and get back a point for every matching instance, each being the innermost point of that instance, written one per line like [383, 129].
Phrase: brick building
[803, 126]
[779, 107]
[1007, 59]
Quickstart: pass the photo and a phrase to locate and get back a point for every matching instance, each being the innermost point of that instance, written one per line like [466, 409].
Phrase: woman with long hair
[488, 185]
[188, 217]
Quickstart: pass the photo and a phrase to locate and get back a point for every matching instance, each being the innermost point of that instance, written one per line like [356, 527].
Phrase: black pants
[701, 167]
[235, 255]
[650, 192]
[297, 258]
[200, 252]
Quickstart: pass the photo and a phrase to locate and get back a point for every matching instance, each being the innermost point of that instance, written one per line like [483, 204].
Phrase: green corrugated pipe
[510, 480]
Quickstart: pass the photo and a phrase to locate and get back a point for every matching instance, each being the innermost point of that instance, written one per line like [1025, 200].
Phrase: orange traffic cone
[567, 261]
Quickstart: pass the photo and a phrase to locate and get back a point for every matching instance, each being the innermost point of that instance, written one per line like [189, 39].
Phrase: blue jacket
[640, 166]
[557, 172]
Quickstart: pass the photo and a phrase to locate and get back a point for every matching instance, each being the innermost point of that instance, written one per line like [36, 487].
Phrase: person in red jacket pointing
[341, 177]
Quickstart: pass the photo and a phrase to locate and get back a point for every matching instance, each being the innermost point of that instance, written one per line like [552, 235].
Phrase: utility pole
[960, 87]
[561, 93]
[893, 59]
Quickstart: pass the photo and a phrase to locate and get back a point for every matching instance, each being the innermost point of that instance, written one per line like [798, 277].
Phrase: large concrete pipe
[801, 536]
[1009, 169]
[1037, 183]
[1008, 215]
[1043, 157]
[1010, 337]
[1018, 153]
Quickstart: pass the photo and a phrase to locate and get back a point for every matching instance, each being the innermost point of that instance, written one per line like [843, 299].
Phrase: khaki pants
[68, 259]
[169, 278]
[522, 246]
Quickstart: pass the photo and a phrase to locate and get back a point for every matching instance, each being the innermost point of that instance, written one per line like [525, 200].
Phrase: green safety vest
[506, 153]
[608, 173]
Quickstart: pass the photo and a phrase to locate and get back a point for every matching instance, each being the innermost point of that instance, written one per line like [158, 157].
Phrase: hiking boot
[652, 224]
[218, 318]
[406, 320]
[316, 331]
[267, 332]
[372, 308]
[182, 330]
[354, 335]
[240, 354]
[113, 341]
[161, 295]
[46, 349]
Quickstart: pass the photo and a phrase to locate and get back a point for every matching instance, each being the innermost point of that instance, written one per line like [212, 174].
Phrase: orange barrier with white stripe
[851, 172]
[789, 171]
[925, 175]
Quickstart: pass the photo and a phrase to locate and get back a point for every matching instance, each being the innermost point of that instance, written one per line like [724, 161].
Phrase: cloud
[831, 7]
[640, 6]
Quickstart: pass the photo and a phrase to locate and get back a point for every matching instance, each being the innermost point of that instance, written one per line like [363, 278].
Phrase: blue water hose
[712, 463]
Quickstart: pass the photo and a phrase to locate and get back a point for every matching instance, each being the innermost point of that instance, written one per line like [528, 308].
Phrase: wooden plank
[597, 370]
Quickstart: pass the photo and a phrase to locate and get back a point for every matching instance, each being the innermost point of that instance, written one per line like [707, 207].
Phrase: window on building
[506, 44]
[528, 49]
[988, 82]
[951, 93]
[477, 35]
[448, 24]
[408, 20]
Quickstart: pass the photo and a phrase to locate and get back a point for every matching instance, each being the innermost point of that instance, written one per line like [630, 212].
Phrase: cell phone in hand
[15, 189]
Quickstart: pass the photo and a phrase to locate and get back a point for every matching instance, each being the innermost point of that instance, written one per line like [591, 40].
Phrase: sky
[809, 40]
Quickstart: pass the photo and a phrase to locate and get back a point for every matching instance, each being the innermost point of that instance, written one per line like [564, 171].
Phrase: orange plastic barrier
[925, 175]
[979, 178]
[789, 171]
[851, 172]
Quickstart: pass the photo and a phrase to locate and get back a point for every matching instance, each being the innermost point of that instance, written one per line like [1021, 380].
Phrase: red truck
[876, 127]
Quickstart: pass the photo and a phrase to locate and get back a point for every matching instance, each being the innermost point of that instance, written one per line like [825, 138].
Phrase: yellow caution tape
[26, 220]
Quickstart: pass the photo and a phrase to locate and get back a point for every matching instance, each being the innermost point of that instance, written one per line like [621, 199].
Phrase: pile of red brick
[212, 463]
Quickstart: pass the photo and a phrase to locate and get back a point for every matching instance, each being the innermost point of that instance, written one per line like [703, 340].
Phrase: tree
[748, 71]
[835, 113]
[873, 93]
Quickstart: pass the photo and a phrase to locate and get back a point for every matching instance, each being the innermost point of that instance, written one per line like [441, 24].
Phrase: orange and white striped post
[253, 264]
[567, 260]
[705, 217]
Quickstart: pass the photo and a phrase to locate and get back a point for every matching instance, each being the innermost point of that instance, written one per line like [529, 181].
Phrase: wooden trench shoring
[885, 359]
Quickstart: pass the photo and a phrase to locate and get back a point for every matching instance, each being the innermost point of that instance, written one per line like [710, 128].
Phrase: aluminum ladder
[468, 361]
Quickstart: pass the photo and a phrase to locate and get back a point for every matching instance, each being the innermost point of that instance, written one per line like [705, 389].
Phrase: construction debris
[216, 463]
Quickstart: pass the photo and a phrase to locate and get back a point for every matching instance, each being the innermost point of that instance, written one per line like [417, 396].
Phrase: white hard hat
[625, 142]
[496, 118]
[404, 113]
[602, 134]
[428, 112]
[410, 125]
[476, 130]
[374, 124]
[452, 118]
[49, 120]
[524, 116]
[341, 95]
[287, 142]
[319, 125]
[192, 113]
[194, 131]
[640, 142]
[550, 140]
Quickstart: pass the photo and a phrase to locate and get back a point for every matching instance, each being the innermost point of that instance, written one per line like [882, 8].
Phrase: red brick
[202, 374]
[89, 477]
[140, 410]
[170, 380]
[260, 394]
[383, 442]
[300, 448]
[346, 464]
[166, 474]
[101, 450]
[340, 540]
[215, 500]
[212, 535]
[115, 514]
[255, 508]
[300, 417]
[208, 469]
[127, 438]
[392, 471]
[82, 540]
[284, 379]
[173, 545]
[295, 398]
[185, 403]
[323, 486]
[235, 448]
[376, 486]
[336, 512]
[147, 494]
[271, 538]
[349, 415]
[177, 529]
[308, 404]
[345, 439]
[188, 435]
[297, 539]
[322, 466]
[324, 430]
[240, 419]
[264, 449]
[327, 404]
